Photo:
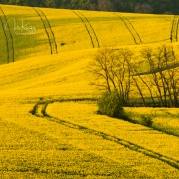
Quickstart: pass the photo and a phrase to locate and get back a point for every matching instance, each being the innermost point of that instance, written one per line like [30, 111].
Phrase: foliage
[110, 105]
[105, 5]
[147, 120]
[143, 8]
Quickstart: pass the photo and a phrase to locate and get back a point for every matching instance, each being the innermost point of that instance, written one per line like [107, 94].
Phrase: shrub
[110, 105]
[147, 120]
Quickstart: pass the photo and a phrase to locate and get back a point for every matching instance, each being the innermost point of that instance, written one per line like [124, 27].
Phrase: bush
[110, 105]
[147, 120]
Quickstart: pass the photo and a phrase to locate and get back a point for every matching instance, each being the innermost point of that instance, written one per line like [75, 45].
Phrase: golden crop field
[49, 126]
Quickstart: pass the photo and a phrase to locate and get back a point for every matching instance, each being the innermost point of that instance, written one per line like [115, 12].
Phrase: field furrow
[4, 44]
[95, 38]
[48, 29]
[87, 28]
[174, 30]
[149, 142]
[146, 25]
[131, 28]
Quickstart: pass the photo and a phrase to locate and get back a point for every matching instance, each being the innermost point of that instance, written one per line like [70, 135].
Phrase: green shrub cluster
[147, 120]
[109, 104]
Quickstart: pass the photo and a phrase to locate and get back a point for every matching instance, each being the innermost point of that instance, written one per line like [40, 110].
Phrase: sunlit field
[60, 30]
[165, 119]
[49, 125]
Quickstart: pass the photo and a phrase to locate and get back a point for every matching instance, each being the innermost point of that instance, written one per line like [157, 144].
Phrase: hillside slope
[51, 75]
[35, 146]
[27, 32]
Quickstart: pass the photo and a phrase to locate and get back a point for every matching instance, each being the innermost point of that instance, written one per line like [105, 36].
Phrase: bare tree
[143, 8]
[136, 77]
[112, 71]
[168, 12]
[100, 68]
[93, 7]
[122, 73]
[163, 74]
[105, 5]
[157, 82]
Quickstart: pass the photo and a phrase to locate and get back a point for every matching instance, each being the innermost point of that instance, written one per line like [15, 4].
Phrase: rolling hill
[49, 127]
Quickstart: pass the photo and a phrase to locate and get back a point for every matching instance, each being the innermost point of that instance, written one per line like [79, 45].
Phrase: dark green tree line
[139, 6]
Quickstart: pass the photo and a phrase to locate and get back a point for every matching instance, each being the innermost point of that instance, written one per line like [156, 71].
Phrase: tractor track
[157, 41]
[174, 30]
[48, 30]
[6, 39]
[8, 36]
[130, 28]
[98, 45]
[90, 30]
[39, 110]
[177, 30]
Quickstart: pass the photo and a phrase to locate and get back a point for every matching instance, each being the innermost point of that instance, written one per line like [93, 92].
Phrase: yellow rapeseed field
[49, 126]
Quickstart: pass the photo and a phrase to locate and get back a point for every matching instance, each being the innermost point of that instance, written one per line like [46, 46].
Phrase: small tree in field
[105, 5]
[111, 69]
[143, 8]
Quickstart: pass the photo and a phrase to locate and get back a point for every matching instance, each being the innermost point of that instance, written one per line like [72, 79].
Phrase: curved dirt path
[40, 111]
